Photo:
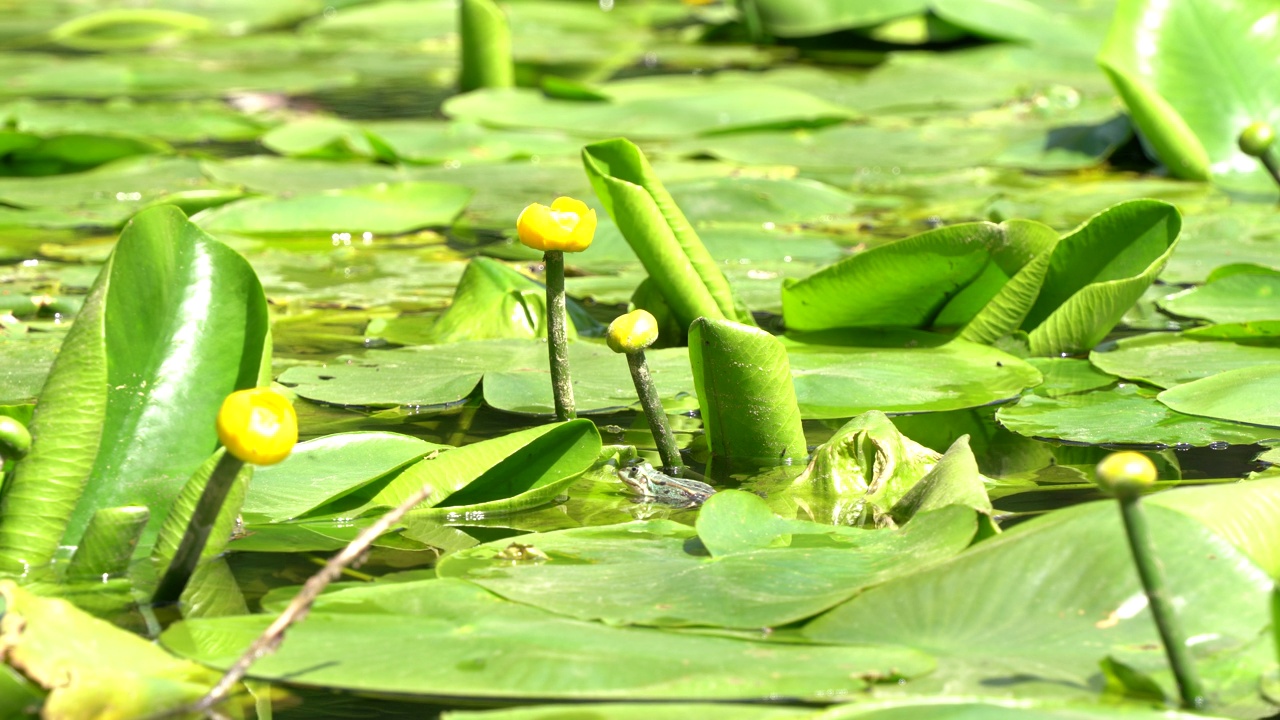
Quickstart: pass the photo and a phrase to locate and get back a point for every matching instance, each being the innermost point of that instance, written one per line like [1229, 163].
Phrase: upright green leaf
[175, 322]
[938, 278]
[676, 260]
[494, 301]
[1194, 73]
[743, 380]
[1098, 272]
[485, 46]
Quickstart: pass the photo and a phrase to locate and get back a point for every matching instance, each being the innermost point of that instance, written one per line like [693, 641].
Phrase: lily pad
[382, 209]
[1168, 359]
[1044, 632]
[1122, 415]
[1240, 297]
[651, 573]
[1246, 395]
[831, 381]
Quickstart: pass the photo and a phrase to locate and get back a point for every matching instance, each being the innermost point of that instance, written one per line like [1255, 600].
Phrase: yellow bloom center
[568, 226]
[258, 426]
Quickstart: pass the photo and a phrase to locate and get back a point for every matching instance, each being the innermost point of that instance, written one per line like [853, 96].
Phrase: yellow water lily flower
[568, 225]
[632, 332]
[258, 426]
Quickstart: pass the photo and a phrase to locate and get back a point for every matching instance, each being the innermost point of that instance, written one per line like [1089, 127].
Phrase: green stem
[1272, 164]
[197, 535]
[1151, 573]
[557, 336]
[657, 417]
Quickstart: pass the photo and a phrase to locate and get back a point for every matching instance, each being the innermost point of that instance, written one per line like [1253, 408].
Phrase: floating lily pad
[382, 209]
[1044, 632]
[514, 651]
[1168, 359]
[1122, 415]
[649, 573]
[831, 381]
[1241, 297]
[1246, 395]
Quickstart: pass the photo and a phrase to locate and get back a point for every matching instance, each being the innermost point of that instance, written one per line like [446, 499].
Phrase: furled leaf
[677, 262]
[748, 403]
[494, 301]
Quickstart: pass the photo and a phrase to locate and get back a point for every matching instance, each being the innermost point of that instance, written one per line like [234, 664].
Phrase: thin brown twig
[298, 608]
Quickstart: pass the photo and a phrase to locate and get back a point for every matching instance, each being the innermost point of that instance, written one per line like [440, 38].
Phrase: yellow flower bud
[1257, 139]
[568, 225]
[632, 332]
[258, 426]
[1126, 473]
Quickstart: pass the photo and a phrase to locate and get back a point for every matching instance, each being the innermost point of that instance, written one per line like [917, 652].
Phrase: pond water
[787, 156]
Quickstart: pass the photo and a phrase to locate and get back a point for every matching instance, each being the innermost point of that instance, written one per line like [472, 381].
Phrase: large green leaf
[745, 393]
[678, 264]
[503, 474]
[1043, 631]
[1243, 513]
[941, 277]
[1194, 74]
[175, 322]
[1122, 415]
[321, 470]
[1246, 395]
[454, 639]
[381, 209]
[1098, 272]
[650, 573]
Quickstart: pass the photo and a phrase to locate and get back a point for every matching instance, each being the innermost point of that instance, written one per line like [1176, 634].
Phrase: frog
[655, 486]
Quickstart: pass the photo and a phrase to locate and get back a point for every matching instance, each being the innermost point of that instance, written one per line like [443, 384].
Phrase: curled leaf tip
[568, 226]
[258, 426]
[15, 440]
[1126, 472]
[1257, 139]
[632, 332]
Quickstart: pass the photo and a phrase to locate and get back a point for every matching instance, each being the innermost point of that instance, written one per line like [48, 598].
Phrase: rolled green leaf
[748, 402]
[108, 543]
[486, 46]
[678, 264]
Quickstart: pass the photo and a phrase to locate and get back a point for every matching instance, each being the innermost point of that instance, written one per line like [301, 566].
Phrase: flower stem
[1272, 164]
[557, 336]
[657, 417]
[1151, 573]
[197, 535]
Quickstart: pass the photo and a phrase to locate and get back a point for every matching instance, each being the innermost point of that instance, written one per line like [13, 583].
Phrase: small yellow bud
[258, 426]
[1125, 473]
[1257, 139]
[632, 332]
[568, 225]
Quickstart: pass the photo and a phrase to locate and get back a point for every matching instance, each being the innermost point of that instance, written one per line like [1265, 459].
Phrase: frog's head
[638, 477]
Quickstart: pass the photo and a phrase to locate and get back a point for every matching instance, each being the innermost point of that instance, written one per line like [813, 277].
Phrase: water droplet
[1219, 445]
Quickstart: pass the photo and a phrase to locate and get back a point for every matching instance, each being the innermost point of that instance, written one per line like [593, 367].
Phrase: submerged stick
[1125, 475]
[270, 639]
